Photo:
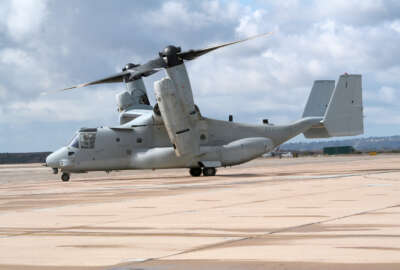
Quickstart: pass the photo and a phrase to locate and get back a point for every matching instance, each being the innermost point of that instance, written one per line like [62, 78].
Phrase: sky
[47, 45]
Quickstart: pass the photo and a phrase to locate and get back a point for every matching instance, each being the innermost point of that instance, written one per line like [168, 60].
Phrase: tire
[65, 177]
[209, 171]
[195, 172]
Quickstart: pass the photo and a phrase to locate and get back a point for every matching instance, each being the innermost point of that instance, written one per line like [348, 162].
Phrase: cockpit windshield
[84, 139]
[75, 141]
[87, 140]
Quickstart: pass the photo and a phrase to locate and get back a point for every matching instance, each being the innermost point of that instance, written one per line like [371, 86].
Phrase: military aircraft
[174, 134]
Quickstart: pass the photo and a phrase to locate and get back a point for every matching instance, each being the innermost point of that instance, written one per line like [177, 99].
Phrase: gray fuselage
[147, 146]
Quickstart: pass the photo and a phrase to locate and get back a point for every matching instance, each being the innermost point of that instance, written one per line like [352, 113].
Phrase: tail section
[317, 104]
[344, 113]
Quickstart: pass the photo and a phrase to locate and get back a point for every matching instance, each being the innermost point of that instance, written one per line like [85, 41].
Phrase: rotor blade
[145, 70]
[119, 77]
[192, 54]
[154, 64]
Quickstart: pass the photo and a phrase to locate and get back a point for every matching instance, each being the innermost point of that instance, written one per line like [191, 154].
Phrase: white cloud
[382, 115]
[176, 14]
[386, 95]
[389, 95]
[28, 72]
[389, 75]
[3, 92]
[181, 16]
[16, 57]
[352, 11]
[250, 25]
[64, 107]
[395, 25]
[23, 18]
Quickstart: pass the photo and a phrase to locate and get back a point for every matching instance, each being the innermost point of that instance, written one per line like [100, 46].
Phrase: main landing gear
[195, 172]
[65, 177]
[207, 171]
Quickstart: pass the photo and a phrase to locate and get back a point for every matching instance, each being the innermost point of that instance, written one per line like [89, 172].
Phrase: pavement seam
[287, 229]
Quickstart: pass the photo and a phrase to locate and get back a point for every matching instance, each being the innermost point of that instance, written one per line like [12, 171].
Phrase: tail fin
[344, 113]
[318, 101]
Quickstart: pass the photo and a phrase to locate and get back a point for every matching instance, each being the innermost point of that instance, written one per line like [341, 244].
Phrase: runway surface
[306, 213]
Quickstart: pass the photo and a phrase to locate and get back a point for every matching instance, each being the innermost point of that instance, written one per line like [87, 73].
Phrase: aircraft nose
[53, 160]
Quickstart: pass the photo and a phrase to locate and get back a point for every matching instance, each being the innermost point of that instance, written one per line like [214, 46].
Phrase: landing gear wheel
[209, 171]
[195, 171]
[65, 177]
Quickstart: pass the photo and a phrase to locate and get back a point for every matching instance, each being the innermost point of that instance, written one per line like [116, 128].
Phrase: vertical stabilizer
[318, 100]
[317, 104]
[344, 115]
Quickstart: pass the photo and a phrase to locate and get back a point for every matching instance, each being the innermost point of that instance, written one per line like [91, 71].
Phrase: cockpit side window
[87, 140]
[75, 142]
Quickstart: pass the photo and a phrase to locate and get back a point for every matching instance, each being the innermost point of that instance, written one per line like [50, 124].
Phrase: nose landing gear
[65, 177]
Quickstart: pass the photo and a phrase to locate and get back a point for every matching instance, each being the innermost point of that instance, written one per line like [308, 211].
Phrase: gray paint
[317, 103]
[341, 107]
[240, 143]
[179, 122]
[344, 115]
[319, 98]
[147, 142]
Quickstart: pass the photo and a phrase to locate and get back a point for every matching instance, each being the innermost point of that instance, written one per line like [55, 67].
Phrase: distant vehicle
[174, 134]
[278, 154]
[287, 155]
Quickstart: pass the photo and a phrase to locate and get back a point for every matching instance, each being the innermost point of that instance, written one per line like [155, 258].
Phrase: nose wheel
[65, 177]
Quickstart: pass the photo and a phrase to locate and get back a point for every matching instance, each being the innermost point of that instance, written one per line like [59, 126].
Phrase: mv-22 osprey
[174, 134]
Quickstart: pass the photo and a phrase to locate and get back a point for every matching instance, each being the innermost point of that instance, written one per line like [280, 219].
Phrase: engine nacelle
[239, 151]
[176, 118]
[134, 98]
[180, 80]
[124, 101]
[131, 102]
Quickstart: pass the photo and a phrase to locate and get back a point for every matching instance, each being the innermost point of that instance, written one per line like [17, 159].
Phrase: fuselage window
[87, 140]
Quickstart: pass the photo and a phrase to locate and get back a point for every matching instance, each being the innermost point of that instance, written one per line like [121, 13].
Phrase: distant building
[338, 150]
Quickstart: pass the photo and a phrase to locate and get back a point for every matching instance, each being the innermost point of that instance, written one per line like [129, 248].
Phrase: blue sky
[46, 45]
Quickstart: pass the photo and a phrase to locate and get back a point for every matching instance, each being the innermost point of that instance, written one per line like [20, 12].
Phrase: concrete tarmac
[307, 213]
